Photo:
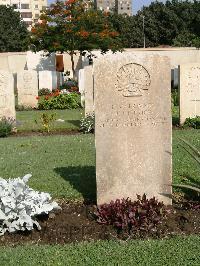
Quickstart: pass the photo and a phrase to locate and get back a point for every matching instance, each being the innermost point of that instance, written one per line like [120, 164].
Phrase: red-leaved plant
[143, 214]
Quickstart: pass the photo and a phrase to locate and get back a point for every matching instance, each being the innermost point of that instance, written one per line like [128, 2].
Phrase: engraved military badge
[132, 80]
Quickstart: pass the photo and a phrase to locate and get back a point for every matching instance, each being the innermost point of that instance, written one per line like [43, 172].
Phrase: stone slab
[189, 91]
[81, 83]
[7, 97]
[27, 87]
[47, 80]
[89, 90]
[133, 131]
[40, 61]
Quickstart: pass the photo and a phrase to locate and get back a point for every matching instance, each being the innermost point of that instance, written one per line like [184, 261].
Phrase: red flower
[46, 97]
[37, 98]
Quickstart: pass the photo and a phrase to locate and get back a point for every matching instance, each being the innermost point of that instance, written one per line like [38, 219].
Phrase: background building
[118, 6]
[29, 9]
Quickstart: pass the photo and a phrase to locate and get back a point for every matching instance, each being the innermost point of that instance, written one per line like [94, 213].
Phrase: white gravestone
[189, 91]
[81, 81]
[133, 127]
[89, 90]
[27, 86]
[7, 97]
[48, 80]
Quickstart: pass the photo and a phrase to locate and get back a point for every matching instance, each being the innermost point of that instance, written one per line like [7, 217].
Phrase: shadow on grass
[81, 178]
[74, 122]
[175, 120]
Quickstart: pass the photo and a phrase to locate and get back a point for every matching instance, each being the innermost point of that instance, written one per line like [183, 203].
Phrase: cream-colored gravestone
[189, 91]
[133, 127]
[47, 80]
[81, 83]
[27, 86]
[7, 97]
[89, 90]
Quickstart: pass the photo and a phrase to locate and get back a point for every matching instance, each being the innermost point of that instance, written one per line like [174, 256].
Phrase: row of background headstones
[185, 77]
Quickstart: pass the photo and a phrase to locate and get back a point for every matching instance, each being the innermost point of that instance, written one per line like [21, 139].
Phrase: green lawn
[26, 119]
[61, 165]
[65, 165]
[176, 251]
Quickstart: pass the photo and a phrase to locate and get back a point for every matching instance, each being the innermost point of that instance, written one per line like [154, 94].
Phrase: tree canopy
[13, 31]
[73, 26]
[170, 23]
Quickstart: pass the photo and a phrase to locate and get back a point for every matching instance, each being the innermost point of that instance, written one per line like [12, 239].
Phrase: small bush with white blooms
[20, 204]
[87, 124]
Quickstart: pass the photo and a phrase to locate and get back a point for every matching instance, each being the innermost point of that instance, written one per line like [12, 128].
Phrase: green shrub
[47, 120]
[175, 98]
[44, 91]
[192, 122]
[88, 124]
[6, 126]
[70, 85]
[23, 108]
[59, 101]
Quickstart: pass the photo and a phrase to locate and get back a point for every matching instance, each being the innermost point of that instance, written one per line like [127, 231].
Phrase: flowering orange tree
[74, 26]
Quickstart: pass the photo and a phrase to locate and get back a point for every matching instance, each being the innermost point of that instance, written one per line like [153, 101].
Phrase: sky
[137, 4]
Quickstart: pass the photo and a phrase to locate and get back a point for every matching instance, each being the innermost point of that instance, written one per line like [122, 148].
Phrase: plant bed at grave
[75, 223]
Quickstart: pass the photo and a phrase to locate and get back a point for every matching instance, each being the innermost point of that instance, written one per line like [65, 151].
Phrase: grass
[185, 168]
[65, 165]
[26, 119]
[61, 165]
[175, 251]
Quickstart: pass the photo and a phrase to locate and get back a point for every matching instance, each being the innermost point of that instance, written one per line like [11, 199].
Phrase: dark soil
[76, 223]
[43, 133]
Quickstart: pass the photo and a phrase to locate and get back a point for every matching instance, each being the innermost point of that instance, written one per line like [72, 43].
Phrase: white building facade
[29, 9]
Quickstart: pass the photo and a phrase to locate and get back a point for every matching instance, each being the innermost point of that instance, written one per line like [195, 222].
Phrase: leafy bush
[57, 100]
[87, 124]
[192, 122]
[19, 205]
[142, 214]
[44, 91]
[69, 85]
[175, 98]
[47, 120]
[6, 126]
[23, 108]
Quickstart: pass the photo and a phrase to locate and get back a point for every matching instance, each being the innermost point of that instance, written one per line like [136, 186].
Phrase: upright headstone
[40, 61]
[27, 87]
[7, 98]
[89, 90]
[47, 80]
[133, 127]
[189, 91]
[81, 83]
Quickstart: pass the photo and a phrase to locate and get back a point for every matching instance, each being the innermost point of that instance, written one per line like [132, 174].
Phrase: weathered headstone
[40, 61]
[27, 86]
[47, 80]
[89, 90]
[81, 83]
[133, 127]
[189, 91]
[7, 98]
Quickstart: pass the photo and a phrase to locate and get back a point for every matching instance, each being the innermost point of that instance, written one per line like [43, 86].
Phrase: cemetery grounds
[63, 164]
